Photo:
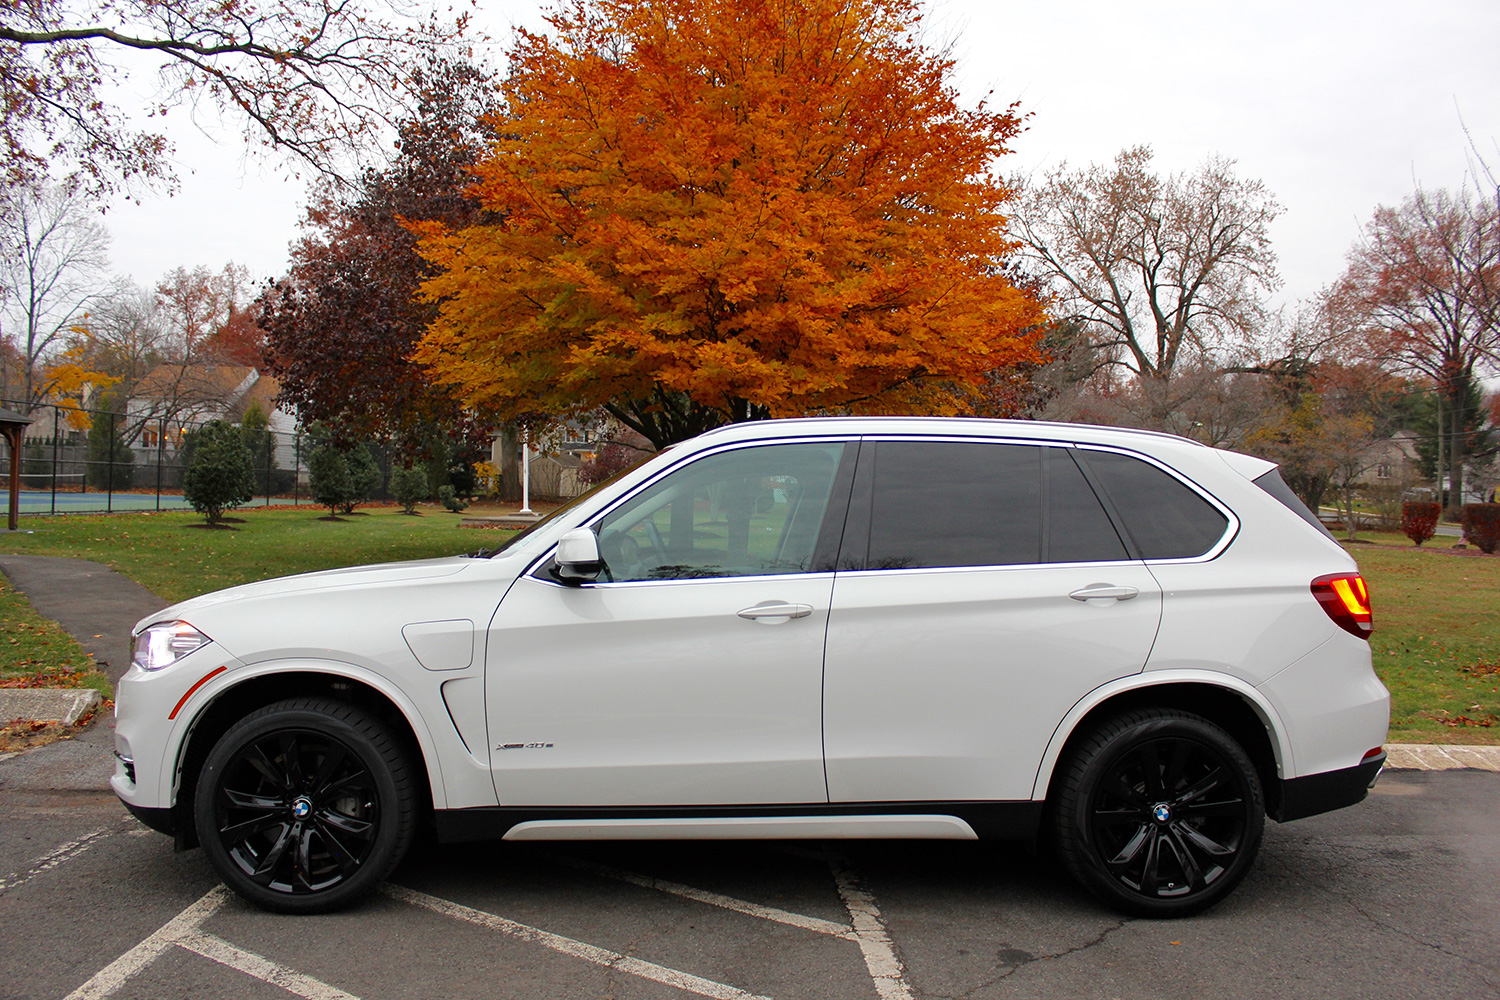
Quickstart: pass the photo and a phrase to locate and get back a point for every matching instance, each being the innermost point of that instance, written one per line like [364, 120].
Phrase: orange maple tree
[718, 210]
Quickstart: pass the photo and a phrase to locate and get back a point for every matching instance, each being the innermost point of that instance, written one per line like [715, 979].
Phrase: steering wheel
[656, 543]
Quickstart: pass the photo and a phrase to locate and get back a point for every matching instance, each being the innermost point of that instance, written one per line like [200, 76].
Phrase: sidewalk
[98, 607]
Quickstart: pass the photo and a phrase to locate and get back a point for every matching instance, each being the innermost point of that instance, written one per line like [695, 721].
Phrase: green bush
[328, 477]
[409, 487]
[450, 499]
[111, 462]
[364, 476]
[220, 475]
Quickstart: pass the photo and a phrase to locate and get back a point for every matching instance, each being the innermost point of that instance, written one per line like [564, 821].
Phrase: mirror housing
[577, 561]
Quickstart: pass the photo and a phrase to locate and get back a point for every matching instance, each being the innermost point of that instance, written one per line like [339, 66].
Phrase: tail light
[1347, 600]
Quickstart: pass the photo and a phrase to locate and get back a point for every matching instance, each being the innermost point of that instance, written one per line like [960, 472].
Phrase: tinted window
[1164, 518]
[939, 503]
[1273, 484]
[1077, 528]
[748, 512]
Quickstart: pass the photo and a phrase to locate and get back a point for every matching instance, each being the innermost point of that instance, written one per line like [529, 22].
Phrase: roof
[264, 391]
[205, 382]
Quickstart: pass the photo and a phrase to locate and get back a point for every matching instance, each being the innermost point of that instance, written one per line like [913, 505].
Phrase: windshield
[580, 498]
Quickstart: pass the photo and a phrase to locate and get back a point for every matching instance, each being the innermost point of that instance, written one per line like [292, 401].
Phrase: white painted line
[568, 946]
[814, 924]
[259, 967]
[869, 930]
[55, 857]
[114, 975]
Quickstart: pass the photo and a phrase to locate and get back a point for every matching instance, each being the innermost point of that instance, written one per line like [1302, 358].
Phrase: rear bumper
[1320, 793]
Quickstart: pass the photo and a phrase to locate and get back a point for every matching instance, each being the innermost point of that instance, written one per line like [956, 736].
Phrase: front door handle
[1095, 591]
[775, 611]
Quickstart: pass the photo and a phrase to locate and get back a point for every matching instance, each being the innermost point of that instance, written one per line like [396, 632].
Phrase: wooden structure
[13, 425]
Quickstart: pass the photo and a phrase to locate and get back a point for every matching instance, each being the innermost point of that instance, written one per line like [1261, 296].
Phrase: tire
[305, 805]
[1159, 813]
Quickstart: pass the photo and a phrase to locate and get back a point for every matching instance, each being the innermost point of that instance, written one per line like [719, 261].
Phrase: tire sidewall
[360, 736]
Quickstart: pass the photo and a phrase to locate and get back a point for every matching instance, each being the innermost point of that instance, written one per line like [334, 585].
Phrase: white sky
[1337, 105]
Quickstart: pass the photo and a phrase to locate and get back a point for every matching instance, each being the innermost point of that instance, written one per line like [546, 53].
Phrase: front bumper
[1320, 793]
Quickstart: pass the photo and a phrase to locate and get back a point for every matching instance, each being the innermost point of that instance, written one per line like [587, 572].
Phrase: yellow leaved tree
[708, 211]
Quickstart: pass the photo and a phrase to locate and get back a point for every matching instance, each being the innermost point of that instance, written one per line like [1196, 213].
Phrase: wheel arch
[1232, 705]
[250, 688]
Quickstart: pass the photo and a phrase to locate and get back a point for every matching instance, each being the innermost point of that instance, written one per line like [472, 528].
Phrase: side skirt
[816, 821]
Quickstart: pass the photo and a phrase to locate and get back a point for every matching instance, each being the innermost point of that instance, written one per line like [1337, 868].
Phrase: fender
[1280, 744]
[226, 682]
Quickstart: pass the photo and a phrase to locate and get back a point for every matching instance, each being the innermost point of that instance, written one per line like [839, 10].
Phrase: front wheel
[1160, 813]
[305, 805]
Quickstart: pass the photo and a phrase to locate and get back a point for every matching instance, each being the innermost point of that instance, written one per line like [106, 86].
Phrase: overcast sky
[1338, 106]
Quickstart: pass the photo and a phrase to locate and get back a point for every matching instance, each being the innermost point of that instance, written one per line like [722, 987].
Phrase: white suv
[1128, 644]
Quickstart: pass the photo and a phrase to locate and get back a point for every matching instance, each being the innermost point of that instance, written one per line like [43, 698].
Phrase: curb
[1441, 757]
[65, 705]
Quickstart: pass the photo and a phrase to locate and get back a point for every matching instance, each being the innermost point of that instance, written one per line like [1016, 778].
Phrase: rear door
[982, 591]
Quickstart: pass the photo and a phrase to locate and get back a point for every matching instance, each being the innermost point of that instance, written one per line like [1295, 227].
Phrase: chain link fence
[76, 461]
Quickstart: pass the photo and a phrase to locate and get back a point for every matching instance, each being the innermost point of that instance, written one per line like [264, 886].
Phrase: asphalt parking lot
[1398, 897]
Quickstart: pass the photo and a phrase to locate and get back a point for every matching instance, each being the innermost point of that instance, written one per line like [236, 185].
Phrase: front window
[749, 512]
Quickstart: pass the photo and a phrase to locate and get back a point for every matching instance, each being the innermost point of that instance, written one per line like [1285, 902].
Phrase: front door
[691, 672]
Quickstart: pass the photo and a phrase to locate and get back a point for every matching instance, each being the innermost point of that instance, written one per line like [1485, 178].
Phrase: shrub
[1419, 519]
[328, 477]
[450, 499]
[111, 462]
[409, 487]
[364, 476]
[1482, 525]
[221, 475]
[608, 461]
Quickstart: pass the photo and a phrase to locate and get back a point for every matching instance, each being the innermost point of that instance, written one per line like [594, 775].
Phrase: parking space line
[55, 857]
[814, 924]
[114, 975]
[569, 946]
[260, 967]
[870, 931]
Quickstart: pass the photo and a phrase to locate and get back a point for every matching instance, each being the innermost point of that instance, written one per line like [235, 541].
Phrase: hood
[328, 579]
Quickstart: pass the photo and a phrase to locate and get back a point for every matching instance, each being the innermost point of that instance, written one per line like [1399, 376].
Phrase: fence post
[297, 468]
[109, 481]
[54, 459]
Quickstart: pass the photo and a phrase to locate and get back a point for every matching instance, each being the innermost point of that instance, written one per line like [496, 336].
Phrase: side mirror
[577, 558]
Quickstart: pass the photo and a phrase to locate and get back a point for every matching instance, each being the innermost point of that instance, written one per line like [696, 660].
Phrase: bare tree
[1161, 270]
[53, 254]
[311, 78]
[1422, 285]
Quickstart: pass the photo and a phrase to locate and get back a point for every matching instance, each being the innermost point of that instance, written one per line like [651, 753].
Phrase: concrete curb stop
[65, 705]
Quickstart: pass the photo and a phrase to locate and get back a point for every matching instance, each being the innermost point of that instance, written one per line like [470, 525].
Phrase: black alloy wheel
[304, 805]
[1160, 813]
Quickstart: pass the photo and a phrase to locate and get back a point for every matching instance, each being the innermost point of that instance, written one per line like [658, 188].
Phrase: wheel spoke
[1116, 786]
[1175, 765]
[1149, 871]
[239, 832]
[1192, 873]
[331, 760]
[1202, 786]
[346, 859]
[1151, 764]
[1206, 810]
[1197, 839]
[291, 754]
[265, 872]
[348, 824]
[245, 800]
[1132, 848]
[267, 768]
[344, 781]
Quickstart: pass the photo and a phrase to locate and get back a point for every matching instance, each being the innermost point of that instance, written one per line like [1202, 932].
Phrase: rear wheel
[1160, 813]
[305, 805]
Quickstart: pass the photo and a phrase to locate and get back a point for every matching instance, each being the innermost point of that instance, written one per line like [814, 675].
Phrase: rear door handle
[1095, 591]
[774, 612]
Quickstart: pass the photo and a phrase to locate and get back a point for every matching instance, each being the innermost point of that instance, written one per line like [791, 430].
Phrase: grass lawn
[1436, 642]
[1437, 637]
[36, 652]
[175, 556]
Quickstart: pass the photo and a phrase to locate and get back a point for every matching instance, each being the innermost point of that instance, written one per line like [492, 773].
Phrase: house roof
[202, 382]
[264, 392]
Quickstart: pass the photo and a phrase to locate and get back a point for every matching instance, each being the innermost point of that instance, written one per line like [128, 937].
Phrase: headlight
[165, 643]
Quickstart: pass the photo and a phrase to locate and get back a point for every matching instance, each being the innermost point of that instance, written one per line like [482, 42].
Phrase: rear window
[1163, 516]
[1273, 484]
